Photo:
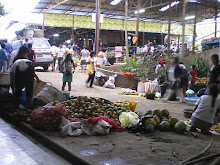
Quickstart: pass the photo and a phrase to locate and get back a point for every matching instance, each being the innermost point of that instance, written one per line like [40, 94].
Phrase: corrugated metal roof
[206, 9]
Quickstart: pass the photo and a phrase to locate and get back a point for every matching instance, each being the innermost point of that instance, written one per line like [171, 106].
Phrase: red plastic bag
[114, 125]
[48, 117]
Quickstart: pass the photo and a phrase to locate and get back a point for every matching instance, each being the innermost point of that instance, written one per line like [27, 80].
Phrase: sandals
[192, 129]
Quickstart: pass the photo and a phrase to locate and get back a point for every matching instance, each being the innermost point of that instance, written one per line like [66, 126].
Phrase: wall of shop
[206, 55]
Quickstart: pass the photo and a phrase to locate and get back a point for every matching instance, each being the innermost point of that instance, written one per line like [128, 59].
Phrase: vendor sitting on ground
[207, 108]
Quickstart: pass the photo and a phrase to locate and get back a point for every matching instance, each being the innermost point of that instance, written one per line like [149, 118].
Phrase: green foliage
[133, 63]
[138, 72]
[201, 67]
[2, 10]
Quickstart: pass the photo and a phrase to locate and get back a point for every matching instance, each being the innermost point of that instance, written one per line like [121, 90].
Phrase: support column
[138, 18]
[216, 24]
[194, 31]
[126, 31]
[183, 27]
[43, 25]
[169, 28]
[97, 28]
[179, 42]
[162, 39]
[72, 34]
[143, 38]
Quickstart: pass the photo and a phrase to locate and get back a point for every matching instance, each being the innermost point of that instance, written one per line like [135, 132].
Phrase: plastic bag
[72, 129]
[101, 128]
[128, 119]
[48, 117]
[113, 124]
[90, 70]
[111, 82]
[141, 87]
[87, 127]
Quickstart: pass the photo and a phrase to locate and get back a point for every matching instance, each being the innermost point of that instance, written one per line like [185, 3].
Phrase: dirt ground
[125, 148]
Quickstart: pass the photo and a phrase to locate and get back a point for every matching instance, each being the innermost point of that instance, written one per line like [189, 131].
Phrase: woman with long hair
[214, 70]
[67, 71]
[22, 53]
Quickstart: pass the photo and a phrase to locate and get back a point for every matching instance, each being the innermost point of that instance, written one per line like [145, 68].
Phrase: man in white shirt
[84, 56]
[60, 56]
[54, 54]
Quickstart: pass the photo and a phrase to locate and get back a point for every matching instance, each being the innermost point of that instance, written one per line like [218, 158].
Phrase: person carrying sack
[91, 66]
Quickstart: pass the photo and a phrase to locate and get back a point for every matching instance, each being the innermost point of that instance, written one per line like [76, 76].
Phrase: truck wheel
[45, 67]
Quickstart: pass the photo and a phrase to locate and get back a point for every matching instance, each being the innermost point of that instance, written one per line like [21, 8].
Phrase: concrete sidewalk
[19, 150]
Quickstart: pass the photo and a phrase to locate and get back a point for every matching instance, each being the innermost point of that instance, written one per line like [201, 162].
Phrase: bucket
[187, 113]
[133, 105]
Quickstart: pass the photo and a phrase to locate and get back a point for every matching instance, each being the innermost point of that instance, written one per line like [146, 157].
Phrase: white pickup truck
[42, 50]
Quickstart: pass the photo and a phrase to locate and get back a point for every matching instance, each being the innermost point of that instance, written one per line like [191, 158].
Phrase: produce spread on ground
[121, 112]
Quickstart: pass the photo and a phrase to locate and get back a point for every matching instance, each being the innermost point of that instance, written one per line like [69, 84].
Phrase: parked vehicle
[42, 50]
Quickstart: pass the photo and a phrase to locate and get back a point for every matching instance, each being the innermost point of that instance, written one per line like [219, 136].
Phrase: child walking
[67, 71]
[207, 109]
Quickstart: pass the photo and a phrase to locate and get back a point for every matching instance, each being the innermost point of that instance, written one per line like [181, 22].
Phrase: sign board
[94, 17]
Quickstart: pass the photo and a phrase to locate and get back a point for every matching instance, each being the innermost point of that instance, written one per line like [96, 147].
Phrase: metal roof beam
[57, 4]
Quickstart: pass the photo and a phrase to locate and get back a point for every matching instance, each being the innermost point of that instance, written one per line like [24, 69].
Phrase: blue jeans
[3, 65]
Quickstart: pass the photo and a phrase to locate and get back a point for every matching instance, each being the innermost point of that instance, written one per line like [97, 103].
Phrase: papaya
[157, 119]
[158, 113]
[163, 118]
[173, 121]
[165, 112]
[180, 127]
[150, 124]
[148, 112]
[164, 126]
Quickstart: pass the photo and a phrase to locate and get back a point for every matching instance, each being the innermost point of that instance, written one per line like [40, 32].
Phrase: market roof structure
[206, 9]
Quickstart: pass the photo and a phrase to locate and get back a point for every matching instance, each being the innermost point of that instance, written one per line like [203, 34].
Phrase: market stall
[210, 43]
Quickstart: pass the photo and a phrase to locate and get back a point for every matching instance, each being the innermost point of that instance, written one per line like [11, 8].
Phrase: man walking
[3, 58]
[8, 49]
[31, 56]
[60, 56]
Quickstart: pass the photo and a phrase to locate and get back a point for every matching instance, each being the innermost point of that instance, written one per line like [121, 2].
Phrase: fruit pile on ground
[83, 107]
[164, 122]
[21, 116]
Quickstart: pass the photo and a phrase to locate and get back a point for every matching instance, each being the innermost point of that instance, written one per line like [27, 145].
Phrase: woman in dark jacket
[215, 70]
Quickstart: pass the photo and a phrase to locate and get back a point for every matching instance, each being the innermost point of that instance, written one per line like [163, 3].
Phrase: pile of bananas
[216, 127]
[202, 80]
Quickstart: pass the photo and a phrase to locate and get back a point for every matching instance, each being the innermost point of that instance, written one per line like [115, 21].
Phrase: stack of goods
[159, 119]
[210, 40]
[216, 127]
[21, 116]
[48, 117]
[84, 107]
[202, 80]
